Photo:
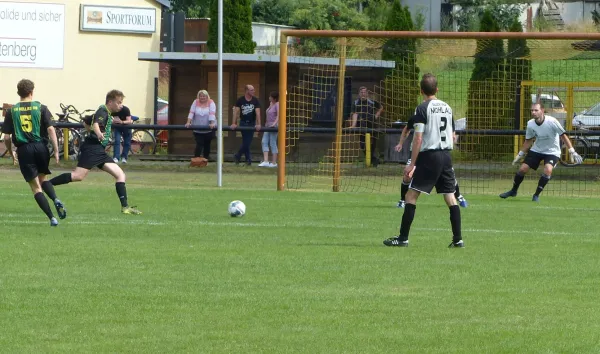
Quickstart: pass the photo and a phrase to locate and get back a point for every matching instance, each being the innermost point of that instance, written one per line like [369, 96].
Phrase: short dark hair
[113, 95]
[538, 102]
[25, 88]
[362, 88]
[275, 95]
[429, 84]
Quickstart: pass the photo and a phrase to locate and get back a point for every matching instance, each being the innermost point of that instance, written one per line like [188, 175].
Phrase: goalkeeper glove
[575, 156]
[518, 157]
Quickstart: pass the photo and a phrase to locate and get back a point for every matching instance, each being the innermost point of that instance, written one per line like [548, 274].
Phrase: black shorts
[533, 159]
[34, 159]
[92, 154]
[434, 169]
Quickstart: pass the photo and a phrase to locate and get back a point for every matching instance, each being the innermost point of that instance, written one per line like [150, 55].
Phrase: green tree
[192, 8]
[401, 84]
[276, 12]
[518, 68]
[237, 27]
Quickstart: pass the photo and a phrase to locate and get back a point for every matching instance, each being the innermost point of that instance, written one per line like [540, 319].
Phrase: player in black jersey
[27, 124]
[93, 150]
[431, 161]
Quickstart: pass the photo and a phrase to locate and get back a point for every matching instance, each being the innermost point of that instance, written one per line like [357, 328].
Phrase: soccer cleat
[462, 202]
[60, 209]
[536, 198]
[53, 222]
[510, 193]
[264, 164]
[400, 204]
[459, 244]
[395, 242]
[130, 210]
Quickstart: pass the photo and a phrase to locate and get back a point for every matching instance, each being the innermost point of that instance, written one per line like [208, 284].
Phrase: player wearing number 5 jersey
[431, 162]
[29, 123]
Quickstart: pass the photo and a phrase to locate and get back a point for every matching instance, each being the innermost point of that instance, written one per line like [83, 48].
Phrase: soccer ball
[237, 208]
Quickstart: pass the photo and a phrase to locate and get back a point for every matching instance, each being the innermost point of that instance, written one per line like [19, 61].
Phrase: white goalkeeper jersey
[547, 135]
[434, 117]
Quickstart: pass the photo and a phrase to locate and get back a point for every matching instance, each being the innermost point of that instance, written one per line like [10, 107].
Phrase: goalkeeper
[547, 132]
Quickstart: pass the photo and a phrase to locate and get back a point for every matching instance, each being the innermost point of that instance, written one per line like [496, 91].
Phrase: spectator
[247, 111]
[202, 112]
[365, 114]
[121, 120]
[269, 139]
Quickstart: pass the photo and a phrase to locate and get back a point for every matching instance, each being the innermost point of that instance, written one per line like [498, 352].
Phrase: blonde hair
[204, 92]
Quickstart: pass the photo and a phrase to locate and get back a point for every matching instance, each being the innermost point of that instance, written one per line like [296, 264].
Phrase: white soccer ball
[237, 208]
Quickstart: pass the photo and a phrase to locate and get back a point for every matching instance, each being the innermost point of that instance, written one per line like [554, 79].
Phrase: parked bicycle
[70, 114]
[142, 141]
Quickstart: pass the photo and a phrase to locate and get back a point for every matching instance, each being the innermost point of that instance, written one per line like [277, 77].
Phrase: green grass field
[302, 272]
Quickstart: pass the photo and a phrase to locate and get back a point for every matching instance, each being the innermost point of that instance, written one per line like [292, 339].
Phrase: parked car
[553, 106]
[588, 118]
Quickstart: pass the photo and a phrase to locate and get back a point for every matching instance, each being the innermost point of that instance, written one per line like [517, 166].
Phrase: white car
[589, 118]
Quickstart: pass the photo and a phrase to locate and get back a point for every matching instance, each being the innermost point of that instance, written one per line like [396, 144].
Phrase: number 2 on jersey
[443, 128]
[26, 124]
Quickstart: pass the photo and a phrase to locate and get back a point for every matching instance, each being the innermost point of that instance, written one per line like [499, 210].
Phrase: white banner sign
[32, 35]
[117, 19]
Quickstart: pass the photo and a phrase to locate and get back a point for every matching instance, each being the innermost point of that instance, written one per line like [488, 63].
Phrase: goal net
[349, 94]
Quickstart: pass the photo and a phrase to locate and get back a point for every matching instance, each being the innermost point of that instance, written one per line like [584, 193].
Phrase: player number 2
[443, 128]
[26, 124]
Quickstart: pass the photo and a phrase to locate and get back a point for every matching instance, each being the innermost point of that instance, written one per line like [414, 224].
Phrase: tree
[487, 102]
[192, 8]
[401, 84]
[518, 68]
[237, 27]
[276, 12]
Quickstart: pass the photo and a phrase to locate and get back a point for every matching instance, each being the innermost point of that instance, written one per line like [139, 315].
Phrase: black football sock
[40, 198]
[407, 219]
[455, 222]
[457, 191]
[403, 189]
[517, 181]
[61, 179]
[122, 193]
[544, 179]
[49, 190]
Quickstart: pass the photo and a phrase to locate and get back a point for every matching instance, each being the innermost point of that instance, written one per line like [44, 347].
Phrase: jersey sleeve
[420, 115]
[411, 123]
[558, 128]
[529, 133]
[100, 117]
[7, 126]
[46, 118]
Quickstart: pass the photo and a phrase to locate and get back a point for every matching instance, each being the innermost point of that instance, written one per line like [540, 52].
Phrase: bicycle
[142, 141]
[585, 145]
[75, 135]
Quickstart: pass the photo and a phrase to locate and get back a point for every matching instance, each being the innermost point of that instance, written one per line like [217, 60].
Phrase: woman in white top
[202, 113]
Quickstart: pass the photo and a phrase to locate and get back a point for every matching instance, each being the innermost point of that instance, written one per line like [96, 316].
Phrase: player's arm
[7, 129]
[47, 121]
[417, 142]
[96, 125]
[574, 155]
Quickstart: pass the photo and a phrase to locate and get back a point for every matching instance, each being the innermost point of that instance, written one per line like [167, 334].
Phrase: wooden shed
[191, 72]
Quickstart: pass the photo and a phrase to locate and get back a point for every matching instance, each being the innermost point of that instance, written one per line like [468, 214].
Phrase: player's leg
[532, 160]
[41, 200]
[90, 155]
[77, 175]
[48, 188]
[459, 197]
[446, 185]
[30, 165]
[114, 170]
[404, 187]
[549, 164]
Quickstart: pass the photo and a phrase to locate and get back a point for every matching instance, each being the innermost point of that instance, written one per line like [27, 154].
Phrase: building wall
[94, 63]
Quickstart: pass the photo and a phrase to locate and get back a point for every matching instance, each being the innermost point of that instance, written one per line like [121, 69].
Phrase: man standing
[547, 132]
[121, 121]
[365, 114]
[431, 163]
[93, 154]
[26, 122]
[247, 112]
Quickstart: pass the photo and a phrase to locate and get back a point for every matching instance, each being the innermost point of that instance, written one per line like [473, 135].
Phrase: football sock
[61, 179]
[517, 181]
[403, 189]
[407, 219]
[122, 193]
[49, 190]
[544, 179]
[40, 198]
[455, 222]
[457, 191]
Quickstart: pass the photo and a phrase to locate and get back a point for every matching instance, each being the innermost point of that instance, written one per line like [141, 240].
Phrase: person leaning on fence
[269, 139]
[121, 121]
[202, 113]
[247, 112]
[365, 114]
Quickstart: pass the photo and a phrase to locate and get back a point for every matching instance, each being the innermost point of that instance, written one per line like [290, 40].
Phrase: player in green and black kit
[93, 150]
[28, 123]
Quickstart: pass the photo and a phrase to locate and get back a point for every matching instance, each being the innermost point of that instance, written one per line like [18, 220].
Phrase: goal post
[326, 76]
